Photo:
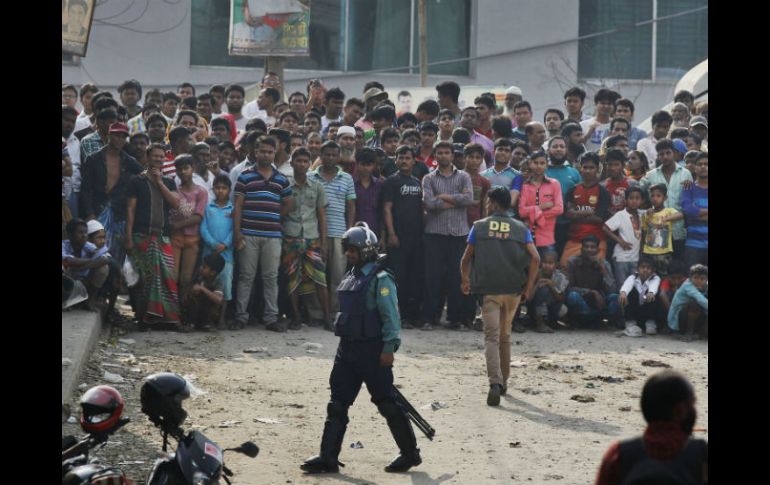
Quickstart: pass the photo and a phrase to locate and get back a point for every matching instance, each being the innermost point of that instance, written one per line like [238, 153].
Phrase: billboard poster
[269, 28]
[76, 17]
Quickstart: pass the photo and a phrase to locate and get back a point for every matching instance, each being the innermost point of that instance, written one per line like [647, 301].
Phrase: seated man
[81, 261]
[690, 306]
[98, 237]
[204, 305]
[590, 277]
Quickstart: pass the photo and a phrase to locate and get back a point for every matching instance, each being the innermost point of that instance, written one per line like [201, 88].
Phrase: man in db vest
[500, 262]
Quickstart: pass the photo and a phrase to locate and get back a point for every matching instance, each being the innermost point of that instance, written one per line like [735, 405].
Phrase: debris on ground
[126, 341]
[357, 445]
[607, 379]
[435, 405]
[229, 424]
[530, 391]
[583, 399]
[312, 345]
[267, 421]
[655, 363]
[113, 378]
[255, 350]
[72, 420]
[625, 409]
[65, 361]
[518, 364]
[515, 444]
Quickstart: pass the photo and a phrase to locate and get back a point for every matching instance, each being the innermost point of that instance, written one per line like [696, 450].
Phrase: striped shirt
[261, 213]
[452, 221]
[338, 191]
[505, 178]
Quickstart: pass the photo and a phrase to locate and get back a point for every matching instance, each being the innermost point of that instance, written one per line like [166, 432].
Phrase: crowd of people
[233, 212]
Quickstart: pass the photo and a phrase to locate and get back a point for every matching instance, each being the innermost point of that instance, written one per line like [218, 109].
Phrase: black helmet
[361, 237]
[100, 409]
[161, 396]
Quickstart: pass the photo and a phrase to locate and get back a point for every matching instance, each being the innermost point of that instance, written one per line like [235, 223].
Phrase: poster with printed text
[76, 17]
[269, 28]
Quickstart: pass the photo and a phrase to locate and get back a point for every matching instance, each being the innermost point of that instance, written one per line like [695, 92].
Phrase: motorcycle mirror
[248, 448]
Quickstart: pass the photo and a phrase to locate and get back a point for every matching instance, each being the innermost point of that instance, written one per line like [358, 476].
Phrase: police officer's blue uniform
[368, 325]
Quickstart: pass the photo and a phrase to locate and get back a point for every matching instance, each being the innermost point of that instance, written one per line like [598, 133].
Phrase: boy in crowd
[638, 299]
[690, 306]
[81, 260]
[98, 237]
[677, 275]
[597, 128]
[616, 182]
[185, 223]
[369, 193]
[473, 154]
[657, 229]
[586, 206]
[217, 233]
[546, 302]
[501, 172]
[695, 206]
[390, 140]
[625, 229]
[661, 124]
[204, 306]
[304, 240]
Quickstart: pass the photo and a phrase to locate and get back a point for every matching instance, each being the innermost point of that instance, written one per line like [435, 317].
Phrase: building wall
[162, 60]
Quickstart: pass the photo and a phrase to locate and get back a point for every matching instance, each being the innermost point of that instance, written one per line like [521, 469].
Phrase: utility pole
[423, 43]
[275, 64]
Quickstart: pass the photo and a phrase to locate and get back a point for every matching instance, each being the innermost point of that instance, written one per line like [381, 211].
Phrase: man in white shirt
[661, 123]
[333, 101]
[597, 128]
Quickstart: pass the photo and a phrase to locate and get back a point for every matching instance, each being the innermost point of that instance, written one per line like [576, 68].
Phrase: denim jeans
[622, 271]
[582, 309]
[544, 304]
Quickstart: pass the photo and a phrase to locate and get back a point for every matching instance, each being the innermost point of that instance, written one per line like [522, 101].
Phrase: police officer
[500, 263]
[368, 326]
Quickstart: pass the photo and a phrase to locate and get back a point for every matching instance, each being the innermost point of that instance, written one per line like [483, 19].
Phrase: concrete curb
[79, 333]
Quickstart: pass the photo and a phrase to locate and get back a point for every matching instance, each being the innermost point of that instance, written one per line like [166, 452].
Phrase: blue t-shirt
[692, 201]
[472, 237]
[507, 177]
[568, 177]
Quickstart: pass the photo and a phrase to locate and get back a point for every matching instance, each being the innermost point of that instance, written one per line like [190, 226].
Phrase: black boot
[331, 441]
[403, 434]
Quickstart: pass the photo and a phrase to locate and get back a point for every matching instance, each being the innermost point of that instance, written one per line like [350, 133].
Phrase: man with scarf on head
[665, 453]
[368, 325]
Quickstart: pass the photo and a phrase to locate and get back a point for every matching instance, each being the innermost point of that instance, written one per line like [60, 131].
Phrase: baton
[413, 415]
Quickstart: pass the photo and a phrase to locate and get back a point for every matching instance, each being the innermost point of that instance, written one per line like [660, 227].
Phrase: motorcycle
[101, 409]
[197, 459]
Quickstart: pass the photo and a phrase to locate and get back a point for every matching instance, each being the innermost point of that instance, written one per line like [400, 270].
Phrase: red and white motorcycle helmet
[101, 408]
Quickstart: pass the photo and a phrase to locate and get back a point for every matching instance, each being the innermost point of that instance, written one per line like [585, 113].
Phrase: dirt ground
[538, 434]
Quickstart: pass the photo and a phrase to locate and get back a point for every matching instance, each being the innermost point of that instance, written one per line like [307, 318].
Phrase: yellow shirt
[657, 240]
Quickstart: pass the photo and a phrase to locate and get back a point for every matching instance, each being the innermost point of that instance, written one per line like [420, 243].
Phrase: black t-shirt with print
[406, 195]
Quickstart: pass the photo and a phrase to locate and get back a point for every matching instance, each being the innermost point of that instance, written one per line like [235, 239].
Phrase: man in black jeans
[402, 213]
[447, 193]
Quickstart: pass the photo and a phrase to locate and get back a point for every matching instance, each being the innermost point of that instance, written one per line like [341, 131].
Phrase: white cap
[93, 226]
[514, 90]
[346, 130]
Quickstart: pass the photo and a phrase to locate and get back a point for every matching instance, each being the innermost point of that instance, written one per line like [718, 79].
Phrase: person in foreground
[665, 453]
[368, 325]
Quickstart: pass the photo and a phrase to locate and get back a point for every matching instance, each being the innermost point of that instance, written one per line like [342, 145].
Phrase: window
[69, 59]
[381, 34]
[675, 45]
